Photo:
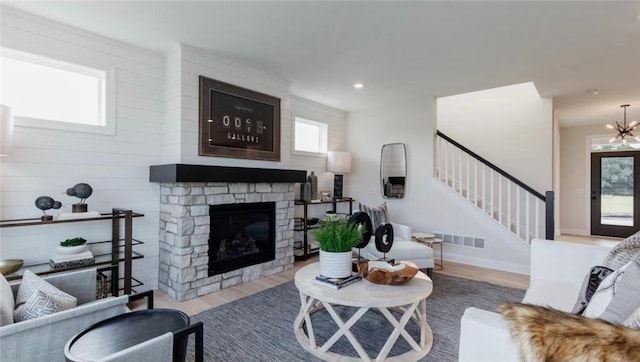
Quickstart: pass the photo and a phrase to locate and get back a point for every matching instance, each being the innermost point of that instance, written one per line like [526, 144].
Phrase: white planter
[335, 265]
[71, 249]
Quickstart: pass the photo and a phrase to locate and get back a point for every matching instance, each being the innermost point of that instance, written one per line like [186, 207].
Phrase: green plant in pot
[336, 239]
[72, 246]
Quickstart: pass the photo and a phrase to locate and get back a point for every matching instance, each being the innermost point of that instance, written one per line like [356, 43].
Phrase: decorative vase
[306, 191]
[313, 180]
[335, 265]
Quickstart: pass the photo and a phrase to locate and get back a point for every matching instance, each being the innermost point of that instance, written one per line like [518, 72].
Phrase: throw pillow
[621, 254]
[6, 302]
[39, 304]
[378, 215]
[545, 334]
[617, 296]
[589, 286]
[32, 283]
[634, 320]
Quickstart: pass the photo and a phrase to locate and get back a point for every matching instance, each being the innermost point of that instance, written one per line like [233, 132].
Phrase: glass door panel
[614, 194]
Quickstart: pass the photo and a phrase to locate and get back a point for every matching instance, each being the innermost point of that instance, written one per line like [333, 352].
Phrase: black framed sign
[238, 122]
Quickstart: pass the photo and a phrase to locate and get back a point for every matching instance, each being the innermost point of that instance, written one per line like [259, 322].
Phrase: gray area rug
[260, 327]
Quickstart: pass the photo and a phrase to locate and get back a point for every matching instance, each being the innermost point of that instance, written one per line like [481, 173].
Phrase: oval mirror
[393, 170]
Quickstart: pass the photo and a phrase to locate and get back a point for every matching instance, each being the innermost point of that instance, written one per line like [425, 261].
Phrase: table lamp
[339, 163]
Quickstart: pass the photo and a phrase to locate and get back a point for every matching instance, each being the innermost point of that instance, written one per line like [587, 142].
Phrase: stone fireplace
[188, 195]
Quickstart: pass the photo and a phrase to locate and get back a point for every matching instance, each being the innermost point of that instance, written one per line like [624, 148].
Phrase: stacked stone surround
[184, 234]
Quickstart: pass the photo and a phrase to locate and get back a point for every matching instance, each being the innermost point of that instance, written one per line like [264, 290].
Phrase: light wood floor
[197, 305]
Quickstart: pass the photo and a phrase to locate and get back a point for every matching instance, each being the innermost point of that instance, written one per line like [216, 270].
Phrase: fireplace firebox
[241, 235]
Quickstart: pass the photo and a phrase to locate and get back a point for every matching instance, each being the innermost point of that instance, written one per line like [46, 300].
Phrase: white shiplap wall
[156, 123]
[46, 162]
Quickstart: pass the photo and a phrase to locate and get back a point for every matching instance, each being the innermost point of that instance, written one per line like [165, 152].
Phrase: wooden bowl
[10, 266]
[387, 277]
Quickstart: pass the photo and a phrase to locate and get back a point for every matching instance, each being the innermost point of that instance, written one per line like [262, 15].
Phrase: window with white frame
[48, 93]
[310, 136]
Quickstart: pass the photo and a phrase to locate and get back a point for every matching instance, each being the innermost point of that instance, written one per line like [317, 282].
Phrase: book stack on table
[336, 283]
[62, 261]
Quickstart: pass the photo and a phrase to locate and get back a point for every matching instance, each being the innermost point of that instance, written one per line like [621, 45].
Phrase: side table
[430, 240]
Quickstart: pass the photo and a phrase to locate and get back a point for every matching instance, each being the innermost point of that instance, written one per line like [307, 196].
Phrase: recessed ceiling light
[593, 91]
[358, 85]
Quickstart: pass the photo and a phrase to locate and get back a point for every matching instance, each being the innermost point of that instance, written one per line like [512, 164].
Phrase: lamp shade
[338, 162]
[6, 130]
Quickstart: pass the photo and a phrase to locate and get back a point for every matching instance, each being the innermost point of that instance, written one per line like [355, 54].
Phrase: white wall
[513, 118]
[428, 206]
[575, 168]
[156, 123]
[46, 162]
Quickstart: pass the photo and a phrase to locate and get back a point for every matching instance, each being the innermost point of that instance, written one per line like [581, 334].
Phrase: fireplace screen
[241, 235]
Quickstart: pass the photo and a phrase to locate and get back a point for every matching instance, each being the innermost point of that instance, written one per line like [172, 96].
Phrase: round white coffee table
[409, 299]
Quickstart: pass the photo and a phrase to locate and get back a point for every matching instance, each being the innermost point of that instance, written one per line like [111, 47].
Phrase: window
[310, 136]
[48, 93]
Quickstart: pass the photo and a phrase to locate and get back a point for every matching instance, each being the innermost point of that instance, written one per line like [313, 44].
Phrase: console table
[408, 299]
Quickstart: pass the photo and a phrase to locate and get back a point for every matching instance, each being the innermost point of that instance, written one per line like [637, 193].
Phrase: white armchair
[44, 338]
[558, 270]
[403, 248]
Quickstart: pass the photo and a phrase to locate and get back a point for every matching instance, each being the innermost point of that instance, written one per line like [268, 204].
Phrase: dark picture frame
[237, 122]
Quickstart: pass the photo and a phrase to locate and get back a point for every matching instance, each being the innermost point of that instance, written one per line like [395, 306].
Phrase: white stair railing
[505, 199]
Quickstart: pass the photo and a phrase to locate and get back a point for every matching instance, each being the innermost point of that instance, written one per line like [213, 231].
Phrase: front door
[615, 193]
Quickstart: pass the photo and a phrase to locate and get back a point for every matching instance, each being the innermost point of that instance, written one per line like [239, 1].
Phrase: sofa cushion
[595, 276]
[35, 291]
[557, 294]
[379, 215]
[545, 334]
[617, 297]
[621, 254]
[6, 302]
[406, 251]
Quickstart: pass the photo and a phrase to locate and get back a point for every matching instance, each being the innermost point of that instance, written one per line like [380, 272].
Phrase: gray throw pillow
[617, 296]
[6, 302]
[589, 286]
[378, 215]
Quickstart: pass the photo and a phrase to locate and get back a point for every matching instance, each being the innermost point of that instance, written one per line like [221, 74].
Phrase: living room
[308, 55]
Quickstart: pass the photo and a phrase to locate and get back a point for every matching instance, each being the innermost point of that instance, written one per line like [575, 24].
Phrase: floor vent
[462, 240]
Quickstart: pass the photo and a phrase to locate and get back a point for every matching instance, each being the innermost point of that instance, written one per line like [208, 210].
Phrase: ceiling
[404, 52]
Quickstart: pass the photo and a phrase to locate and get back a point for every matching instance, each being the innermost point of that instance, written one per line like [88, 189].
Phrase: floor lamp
[339, 163]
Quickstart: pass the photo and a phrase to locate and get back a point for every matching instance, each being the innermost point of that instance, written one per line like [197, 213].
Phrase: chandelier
[625, 129]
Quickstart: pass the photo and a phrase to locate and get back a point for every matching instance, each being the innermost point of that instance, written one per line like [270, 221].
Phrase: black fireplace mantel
[180, 172]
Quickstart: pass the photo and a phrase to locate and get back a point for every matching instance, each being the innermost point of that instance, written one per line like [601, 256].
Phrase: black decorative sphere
[80, 190]
[44, 203]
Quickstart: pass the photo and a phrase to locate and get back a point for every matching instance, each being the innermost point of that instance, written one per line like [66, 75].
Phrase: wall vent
[462, 240]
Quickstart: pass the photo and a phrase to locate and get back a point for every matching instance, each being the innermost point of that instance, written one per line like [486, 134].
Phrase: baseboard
[487, 263]
[582, 232]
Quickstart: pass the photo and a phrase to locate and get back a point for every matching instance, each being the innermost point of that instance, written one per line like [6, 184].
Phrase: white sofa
[403, 249]
[558, 270]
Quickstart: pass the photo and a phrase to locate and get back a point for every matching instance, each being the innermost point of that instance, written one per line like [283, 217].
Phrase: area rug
[260, 327]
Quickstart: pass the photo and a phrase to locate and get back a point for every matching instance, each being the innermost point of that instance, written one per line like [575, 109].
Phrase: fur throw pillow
[544, 334]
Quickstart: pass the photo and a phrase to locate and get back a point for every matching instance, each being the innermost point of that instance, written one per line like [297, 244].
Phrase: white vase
[335, 265]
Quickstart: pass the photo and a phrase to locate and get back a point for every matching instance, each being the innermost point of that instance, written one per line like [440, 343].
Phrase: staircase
[515, 206]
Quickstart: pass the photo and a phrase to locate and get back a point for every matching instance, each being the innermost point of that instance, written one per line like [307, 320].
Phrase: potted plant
[72, 246]
[336, 239]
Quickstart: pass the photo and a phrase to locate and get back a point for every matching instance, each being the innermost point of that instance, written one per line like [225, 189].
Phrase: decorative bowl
[10, 266]
[391, 275]
[71, 249]
[312, 221]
